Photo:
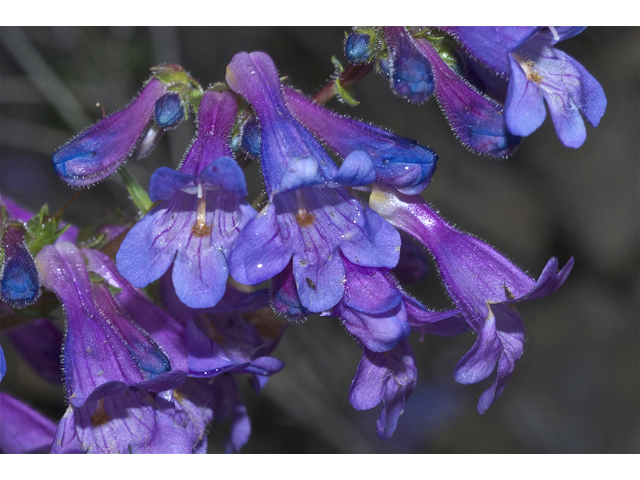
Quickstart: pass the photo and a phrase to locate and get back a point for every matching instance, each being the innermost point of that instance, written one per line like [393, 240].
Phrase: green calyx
[445, 46]
[179, 81]
[342, 93]
[43, 229]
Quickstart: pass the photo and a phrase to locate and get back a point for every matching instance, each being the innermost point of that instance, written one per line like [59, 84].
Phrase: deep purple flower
[476, 119]
[200, 214]
[291, 157]
[358, 48]
[372, 309]
[22, 429]
[169, 111]
[19, 282]
[312, 225]
[483, 284]
[539, 73]
[387, 377]
[126, 421]
[409, 72]
[115, 337]
[96, 153]
[397, 161]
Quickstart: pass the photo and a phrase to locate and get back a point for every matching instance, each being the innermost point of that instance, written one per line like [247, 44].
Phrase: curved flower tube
[483, 284]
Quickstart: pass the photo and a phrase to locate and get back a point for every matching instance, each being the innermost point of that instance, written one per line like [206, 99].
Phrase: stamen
[529, 68]
[201, 229]
[100, 417]
[554, 32]
[304, 218]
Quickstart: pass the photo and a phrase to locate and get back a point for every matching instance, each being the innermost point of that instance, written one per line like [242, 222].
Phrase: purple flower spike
[99, 151]
[483, 284]
[477, 120]
[397, 161]
[409, 71]
[389, 378]
[291, 156]
[104, 350]
[200, 214]
[22, 429]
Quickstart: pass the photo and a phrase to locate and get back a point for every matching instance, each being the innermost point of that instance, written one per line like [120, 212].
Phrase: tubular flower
[200, 214]
[19, 281]
[388, 377]
[409, 72]
[483, 284]
[399, 162]
[105, 349]
[97, 152]
[310, 216]
[538, 73]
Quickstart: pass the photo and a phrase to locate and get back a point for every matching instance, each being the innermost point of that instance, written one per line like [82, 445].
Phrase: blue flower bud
[19, 282]
[169, 111]
[357, 48]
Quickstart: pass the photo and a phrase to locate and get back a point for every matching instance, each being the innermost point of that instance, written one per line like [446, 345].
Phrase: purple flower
[115, 337]
[126, 421]
[539, 73]
[200, 214]
[372, 308]
[397, 161]
[476, 119]
[19, 282]
[483, 284]
[387, 377]
[22, 429]
[169, 110]
[312, 225]
[409, 71]
[358, 48]
[97, 152]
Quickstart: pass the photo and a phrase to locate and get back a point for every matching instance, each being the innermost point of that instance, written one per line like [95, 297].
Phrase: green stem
[351, 75]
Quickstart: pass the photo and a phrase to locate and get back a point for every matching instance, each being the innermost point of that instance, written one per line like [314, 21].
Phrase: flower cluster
[490, 82]
[164, 314]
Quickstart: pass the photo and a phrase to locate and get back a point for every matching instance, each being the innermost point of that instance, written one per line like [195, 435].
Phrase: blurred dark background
[575, 389]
